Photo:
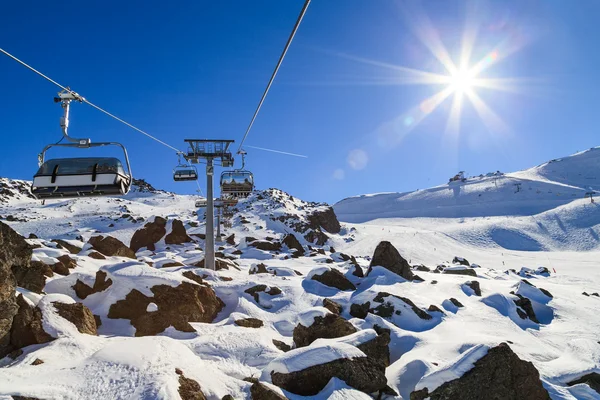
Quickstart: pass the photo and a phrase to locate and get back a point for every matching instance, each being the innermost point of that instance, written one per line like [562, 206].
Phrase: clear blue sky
[198, 69]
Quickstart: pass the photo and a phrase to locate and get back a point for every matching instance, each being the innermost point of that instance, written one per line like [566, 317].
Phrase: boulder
[260, 268]
[178, 234]
[389, 258]
[500, 374]
[362, 373]
[220, 263]
[292, 242]
[249, 322]
[79, 315]
[474, 285]
[328, 327]
[325, 219]
[421, 268]
[109, 246]
[525, 308]
[32, 276]
[332, 306]
[100, 283]
[66, 245]
[95, 255]
[463, 271]
[149, 235]
[265, 245]
[281, 345]
[456, 302]
[255, 290]
[334, 278]
[378, 348]
[360, 310]
[259, 391]
[316, 236]
[461, 261]
[230, 239]
[189, 389]
[27, 327]
[177, 306]
[386, 308]
[591, 379]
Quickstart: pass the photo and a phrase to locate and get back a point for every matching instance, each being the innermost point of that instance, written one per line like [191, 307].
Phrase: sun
[462, 81]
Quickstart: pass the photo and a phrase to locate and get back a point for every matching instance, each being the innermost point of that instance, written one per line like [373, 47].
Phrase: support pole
[209, 251]
[219, 224]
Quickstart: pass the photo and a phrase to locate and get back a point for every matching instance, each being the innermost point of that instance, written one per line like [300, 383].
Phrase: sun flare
[462, 81]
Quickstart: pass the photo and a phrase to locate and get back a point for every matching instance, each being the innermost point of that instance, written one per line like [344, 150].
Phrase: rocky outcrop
[27, 328]
[79, 315]
[389, 258]
[15, 253]
[500, 374]
[32, 276]
[334, 278]
[101, 283]
[189, 389]
[362, 373]
[178, 234]
[109, 246]
[292, 243]
[175, 306]
[325, 219]
[149, 235]
[328, 327]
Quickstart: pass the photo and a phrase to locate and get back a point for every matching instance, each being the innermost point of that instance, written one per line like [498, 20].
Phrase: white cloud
[357, 159]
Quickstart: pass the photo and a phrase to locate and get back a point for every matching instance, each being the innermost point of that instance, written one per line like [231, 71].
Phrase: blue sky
[198, 69]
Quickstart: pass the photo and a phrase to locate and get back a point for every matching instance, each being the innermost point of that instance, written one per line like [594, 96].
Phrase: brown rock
[249, 322]
[328, 327]
[96, 255]
[258, 391]
[32, 276]
[258, 269]
[64, 244]
[334, 278]
[109, 246]
[254, 290]
[265, 245]
[27, 326]
[389, 258]
[461, 261]
[149, 235]
[382, 311]
[292, 242]
[282, 345]
[37, 361]
[363, 373]
[325, 219]
[360, 310]
[79, 315]
[191, 275]
[378, 348]
[101, 283]
[178, 234]
[456, 302]
[230, 239]
[189, 389]
[177, 306]
[500, 374]
[332, 306]
[466, 271]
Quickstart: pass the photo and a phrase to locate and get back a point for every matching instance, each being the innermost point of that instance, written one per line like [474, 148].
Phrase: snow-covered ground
[490, 221]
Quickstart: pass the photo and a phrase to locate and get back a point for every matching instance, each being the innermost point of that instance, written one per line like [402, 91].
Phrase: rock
[389, 258]
[177, 306]
[32, 236]
[325, 219]
[27, 328]
[258, 269]
[171, 264]
[178, 234]
[79, 315]
[465, 271]
[461, 261]
[434, 308]
[591, 379]
[149, 235]
[434, 282]
[360, 310]
[292, 242]
[255, 290]
[259, 391]
[378, 348]
[249, 322]
[37, 361]
[500, 374]
[189, 389]
[456, 302]
[386, 308]
[281, 345]
[547, 293]
[230, 239]
[109, 246]
[332, 306]
[524, 303]
[32, 276]
[585, 294]
[421, 268]
[227, 397]
[64, 244]
[334, 278]
[265, 245]
[362, 373]
[328, 327]
[98, 320]
[317, 237]
[101, 283]
[474, 285]
[96, 255]
[191, 275]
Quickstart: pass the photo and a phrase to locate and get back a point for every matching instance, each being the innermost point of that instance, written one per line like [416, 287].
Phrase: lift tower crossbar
[211, 151]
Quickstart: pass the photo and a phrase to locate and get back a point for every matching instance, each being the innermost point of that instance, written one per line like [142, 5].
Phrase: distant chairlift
[238, 183]
[184, 172]
[79, 177]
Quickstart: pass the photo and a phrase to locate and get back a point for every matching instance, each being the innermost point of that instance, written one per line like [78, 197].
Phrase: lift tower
[211, 151]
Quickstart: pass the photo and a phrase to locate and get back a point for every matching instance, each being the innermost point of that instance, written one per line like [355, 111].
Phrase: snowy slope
[219, 355]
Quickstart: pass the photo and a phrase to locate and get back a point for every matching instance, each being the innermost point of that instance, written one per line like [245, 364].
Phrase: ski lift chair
[185, 173]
